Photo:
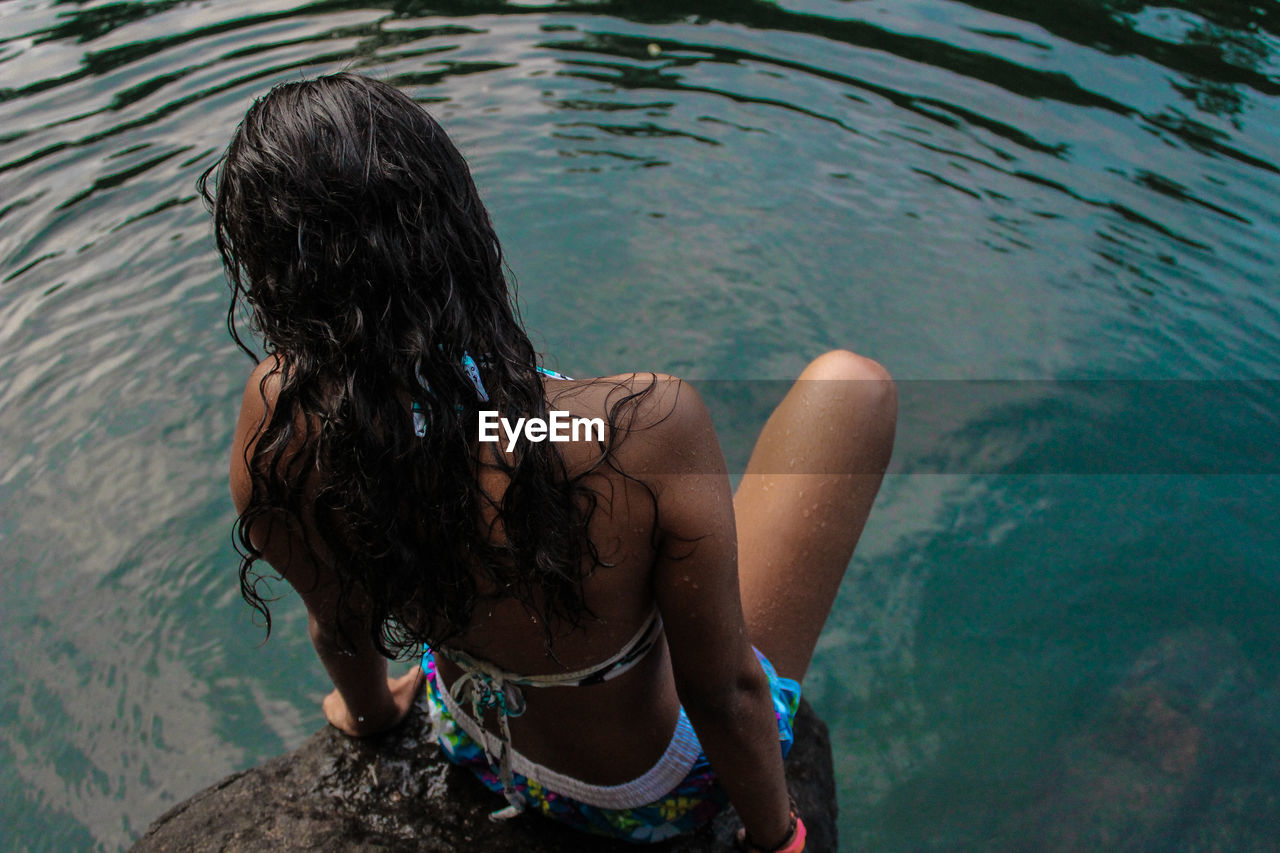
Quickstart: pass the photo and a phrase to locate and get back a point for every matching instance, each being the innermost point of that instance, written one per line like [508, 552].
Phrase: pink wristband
[796, 844]
[793, 843]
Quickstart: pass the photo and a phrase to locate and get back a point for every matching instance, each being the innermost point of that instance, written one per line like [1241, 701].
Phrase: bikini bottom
[677, 795]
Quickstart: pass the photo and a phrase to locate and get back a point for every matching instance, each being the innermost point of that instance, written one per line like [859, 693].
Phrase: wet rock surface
[398, 793]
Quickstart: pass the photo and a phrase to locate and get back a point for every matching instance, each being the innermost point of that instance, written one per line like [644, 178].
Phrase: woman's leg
[797, 531]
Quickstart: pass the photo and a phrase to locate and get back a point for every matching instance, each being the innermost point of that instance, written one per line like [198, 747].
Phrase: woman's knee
[858, 382]
[843, 364]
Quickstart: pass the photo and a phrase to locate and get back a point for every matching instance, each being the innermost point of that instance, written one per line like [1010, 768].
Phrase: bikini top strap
[631, 653]
[551, 373]
[472, 370]
[492, 687]
[495, 679]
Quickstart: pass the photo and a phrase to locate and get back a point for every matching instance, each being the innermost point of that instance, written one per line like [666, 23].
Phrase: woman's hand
[401, 692]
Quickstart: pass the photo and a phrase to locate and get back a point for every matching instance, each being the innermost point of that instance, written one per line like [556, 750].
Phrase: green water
[1060, 629]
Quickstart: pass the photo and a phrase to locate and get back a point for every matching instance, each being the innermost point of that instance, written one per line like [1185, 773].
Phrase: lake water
[1055, 222]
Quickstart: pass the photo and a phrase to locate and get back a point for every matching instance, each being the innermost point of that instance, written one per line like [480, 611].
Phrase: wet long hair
[353, 235]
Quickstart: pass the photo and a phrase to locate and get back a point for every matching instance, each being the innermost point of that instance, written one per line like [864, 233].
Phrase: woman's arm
[720, 682]
[365, 701]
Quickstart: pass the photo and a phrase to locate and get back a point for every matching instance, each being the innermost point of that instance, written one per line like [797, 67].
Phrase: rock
[1181, 756]
[398, 793]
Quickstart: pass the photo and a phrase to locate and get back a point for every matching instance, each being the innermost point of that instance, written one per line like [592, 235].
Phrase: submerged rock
[1182, 756]
[398, 793]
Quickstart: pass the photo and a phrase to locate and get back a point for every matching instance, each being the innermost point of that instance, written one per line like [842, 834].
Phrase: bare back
[574, 730]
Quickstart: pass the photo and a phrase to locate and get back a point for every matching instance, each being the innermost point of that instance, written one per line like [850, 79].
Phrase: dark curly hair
[351, 228]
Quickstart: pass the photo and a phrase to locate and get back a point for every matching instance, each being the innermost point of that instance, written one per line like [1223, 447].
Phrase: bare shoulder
[668, 426]
[260, 391]
[649, 398]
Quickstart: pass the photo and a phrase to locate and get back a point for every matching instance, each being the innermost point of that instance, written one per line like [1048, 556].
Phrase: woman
[589, 607]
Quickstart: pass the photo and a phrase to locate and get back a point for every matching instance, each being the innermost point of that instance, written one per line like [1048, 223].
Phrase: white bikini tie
[492, 687]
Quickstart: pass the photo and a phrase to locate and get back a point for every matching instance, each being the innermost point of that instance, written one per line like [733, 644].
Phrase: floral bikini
[677, 795]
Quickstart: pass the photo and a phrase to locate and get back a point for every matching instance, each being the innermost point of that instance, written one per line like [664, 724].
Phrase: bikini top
[489, 687]
[473, 373]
